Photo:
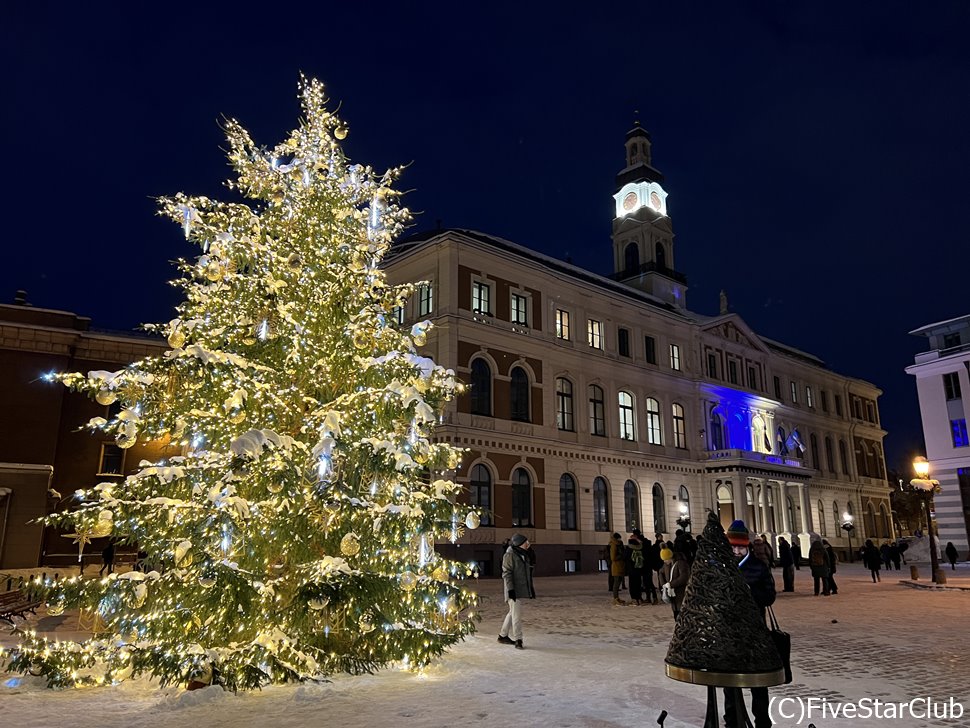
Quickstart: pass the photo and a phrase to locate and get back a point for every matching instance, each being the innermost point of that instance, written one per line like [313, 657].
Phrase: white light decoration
[635, 195]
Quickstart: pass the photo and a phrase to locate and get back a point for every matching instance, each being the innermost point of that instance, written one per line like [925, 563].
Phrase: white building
[599, 404]
[942, 376]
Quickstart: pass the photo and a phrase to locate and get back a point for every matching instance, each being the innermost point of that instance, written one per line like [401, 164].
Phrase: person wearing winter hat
[758, 577]
[517, 577]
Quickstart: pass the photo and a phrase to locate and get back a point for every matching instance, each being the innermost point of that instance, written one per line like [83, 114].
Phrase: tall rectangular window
[425, 299]
[481, 298]
[398, 315]
[958, 429]
[112, 459]
[838, 405]
[627, 429]
[732, 371]
[564, 404]
[752, 378]
[680, 426]
[951, 385]
[777, 383]
[808, 397]
[594, 333]
[562, 324]
[675, 357]
[650, 349]
[794, 393]
[712, 365]
[824, 398]
[597, 416]
[623, 341]
[520, 309]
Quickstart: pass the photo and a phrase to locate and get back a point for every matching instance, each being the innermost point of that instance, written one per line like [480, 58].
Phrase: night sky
[816, 154]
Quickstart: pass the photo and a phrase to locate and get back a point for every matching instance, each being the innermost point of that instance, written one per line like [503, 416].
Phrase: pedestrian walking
[951, 555]
[796, 555]
[677, 572]
[884, 555]
[787, 563]
[833, 562]
[617, 566]
[873, 560]
[635, 566]
[757, 575]
[818, 562]
[895, 555]
[107, 559]
[770, 549]
[517, 577]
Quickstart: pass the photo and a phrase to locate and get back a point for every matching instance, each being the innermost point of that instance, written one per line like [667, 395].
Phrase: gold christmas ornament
[176, 339]
[275, 485]
[341, 131]
[214, 271]
[473, 520]
[237, 415]
[350, 545]
[365, 625]
[294, 262]
[440, 574]
[207, 581]
[55, 610]
[105, 397]
[361, 339]
[420, 339]
[408, 581]
[124, 440]
[318, 603]
[101, 529]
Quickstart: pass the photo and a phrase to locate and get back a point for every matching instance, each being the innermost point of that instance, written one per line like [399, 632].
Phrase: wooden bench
[16, 603]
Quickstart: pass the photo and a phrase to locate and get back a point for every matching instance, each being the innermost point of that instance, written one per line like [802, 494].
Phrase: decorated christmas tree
[292, 534]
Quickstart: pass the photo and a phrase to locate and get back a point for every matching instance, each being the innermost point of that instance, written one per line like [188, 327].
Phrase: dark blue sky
[816, 154]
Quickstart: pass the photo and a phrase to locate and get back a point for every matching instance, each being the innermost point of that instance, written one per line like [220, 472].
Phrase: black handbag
[782, 642]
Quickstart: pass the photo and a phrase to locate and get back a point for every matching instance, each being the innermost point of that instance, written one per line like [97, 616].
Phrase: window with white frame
[594, 333]
[654, 436]
[398, 315]
[680, 425]
[562, 324]
[564, 404]
[520, 309]
[809, 399]
[675, 357]
[794, 393]
[597, 415]
[425, 299]
[481, 298]
[627, 427]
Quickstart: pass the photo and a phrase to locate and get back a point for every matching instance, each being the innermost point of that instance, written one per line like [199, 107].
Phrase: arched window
[654, 436]
[661, 256]
[759, 435]
[567, 503]
[631, 505]
[814, 443]
[683, 518]
[659, 512]
[564, 404]
[836, 517]
[680, 425]
[843, 457]
[601, 506]
[717, 430]
[886, 530]
[631, 258]
[521, 498]
[821, 519]
[519, 392]
[597, 413]
[480, 495]
[725, 505]
[481, 396]
[871, 521]
[829, 455]
[627, 428]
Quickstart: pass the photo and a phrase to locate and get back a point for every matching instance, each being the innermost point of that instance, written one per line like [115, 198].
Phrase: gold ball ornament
[214, 271]
[275, 485]
[294, 262]
[341, 131]
[55, 610]
[420, 339]
[318, 603]
[365, 625]
[124, 440]
[105, 397]
[473, 520]
[350, 545]
[207, 581]
[408, 581]
[361, 339]
[440, 574]
[237, 415]
[101, 528]
[176, 339]
[249, 340]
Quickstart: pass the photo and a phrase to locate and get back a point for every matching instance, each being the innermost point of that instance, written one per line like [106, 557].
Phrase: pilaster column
[783, 497]
[740, 498]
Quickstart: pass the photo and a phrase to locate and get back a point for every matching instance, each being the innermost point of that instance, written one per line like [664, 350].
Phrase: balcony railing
[758, 457]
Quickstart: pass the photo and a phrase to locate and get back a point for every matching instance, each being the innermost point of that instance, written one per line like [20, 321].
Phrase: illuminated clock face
[630, 201]
[655, 201]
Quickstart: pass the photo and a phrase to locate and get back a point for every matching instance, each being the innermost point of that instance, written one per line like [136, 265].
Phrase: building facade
[599, 404]
[44, 458]
[942, 375]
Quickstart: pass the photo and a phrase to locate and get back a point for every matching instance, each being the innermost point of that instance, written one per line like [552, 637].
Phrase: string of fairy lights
[291, 531]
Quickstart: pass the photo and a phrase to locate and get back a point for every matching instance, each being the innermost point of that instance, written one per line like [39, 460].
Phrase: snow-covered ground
[586, 664]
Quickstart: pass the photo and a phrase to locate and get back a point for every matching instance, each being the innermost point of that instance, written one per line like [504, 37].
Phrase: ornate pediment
[734, 330]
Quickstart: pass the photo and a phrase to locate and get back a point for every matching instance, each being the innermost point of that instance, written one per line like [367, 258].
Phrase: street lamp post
[848, 527]
[684, 519]
[926, 487]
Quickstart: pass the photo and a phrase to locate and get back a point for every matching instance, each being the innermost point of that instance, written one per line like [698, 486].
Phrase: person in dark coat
[818, 562]
[873, 560]
[107, 558]
[617, 566]
[787, 564]
[796, 554]
[884, 555]
[517, 585]
[757, 575]
[895, 555]
[951, 554]
[833, 561]
[635, 565]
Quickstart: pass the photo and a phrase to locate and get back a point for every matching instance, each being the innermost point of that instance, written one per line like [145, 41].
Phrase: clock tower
[643, 237]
